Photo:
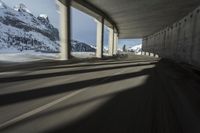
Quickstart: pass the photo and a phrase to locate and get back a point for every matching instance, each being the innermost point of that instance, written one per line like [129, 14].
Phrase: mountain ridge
[21, 30]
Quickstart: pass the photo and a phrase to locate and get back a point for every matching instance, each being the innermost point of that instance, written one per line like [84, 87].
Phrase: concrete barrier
[179, 41]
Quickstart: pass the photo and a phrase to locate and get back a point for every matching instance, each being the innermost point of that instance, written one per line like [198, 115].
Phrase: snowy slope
[22, 31]
[82, 47]
[137, 49]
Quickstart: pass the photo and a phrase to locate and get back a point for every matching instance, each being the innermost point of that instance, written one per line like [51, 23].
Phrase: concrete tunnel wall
[179, 42]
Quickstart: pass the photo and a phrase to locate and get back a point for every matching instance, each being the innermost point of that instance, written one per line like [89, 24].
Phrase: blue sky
[83, 26]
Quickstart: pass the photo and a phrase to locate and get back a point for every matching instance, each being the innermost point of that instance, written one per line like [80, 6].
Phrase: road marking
[6, 74]
[114, 74]
[46, 106]
[120, 72]
[37, 110]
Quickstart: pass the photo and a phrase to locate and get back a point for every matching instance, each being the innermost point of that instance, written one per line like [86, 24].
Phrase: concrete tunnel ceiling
[140, 18]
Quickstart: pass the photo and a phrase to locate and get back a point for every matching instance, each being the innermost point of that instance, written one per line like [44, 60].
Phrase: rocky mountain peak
[21, 30]
[43, 18]
[2, 5]
[21, 8]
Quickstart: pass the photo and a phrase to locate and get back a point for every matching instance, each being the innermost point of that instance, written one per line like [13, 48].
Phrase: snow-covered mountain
[21, 7]
[20, 30]
[82, 47]
[137, 49]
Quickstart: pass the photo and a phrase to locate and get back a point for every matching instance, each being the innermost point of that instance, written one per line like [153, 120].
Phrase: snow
[43, 16]
[12, 55]
[92, 46]
[120, 49]
[2, 5]
[84, 54]
[27, 56]
[22, 7]
[8, 31]
[8, 50]
[137, 49]
[24, 16]
[19, 32]
[16, 43]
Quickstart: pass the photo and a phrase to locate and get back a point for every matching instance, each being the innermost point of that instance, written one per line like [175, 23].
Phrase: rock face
[82, 47]
[21, 30]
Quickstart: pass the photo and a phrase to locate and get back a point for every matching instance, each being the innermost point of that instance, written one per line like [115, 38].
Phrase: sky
[83, 26]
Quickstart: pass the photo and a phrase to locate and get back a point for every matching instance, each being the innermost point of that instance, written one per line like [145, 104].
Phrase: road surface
[137, 94]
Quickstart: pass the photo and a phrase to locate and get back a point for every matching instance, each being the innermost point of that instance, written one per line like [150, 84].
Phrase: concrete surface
[65, 31]
[140, 18]
[179, 42]
[111, 41]
[138, 94]
[99, 38]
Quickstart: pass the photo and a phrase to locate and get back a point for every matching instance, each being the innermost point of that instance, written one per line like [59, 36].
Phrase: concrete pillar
[65, 29]
[115, 43]
[100, 38]
[111, 41]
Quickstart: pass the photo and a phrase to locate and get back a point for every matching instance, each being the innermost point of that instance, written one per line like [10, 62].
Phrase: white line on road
[46, 106]
[37, 110]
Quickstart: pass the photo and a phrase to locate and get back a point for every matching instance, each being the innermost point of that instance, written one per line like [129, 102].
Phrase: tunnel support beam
[111, 41]
[115, 43]
[65, 30]
[100, 38]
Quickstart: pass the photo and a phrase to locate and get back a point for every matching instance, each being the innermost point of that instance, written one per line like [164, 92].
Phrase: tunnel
[155, 92]
[170, 29]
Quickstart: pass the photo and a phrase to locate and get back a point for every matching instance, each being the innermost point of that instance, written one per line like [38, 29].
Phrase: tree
[124, 48]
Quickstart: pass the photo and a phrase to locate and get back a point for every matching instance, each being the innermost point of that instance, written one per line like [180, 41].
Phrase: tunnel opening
[131, 46]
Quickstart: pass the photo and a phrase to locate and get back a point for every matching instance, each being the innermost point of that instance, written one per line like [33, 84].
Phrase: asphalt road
[137, 94]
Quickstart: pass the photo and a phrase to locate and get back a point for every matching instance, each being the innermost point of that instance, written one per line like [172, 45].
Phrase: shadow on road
[47, 91]
[99, 64]
[167, 102]
[163, 104]
[64, 73]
